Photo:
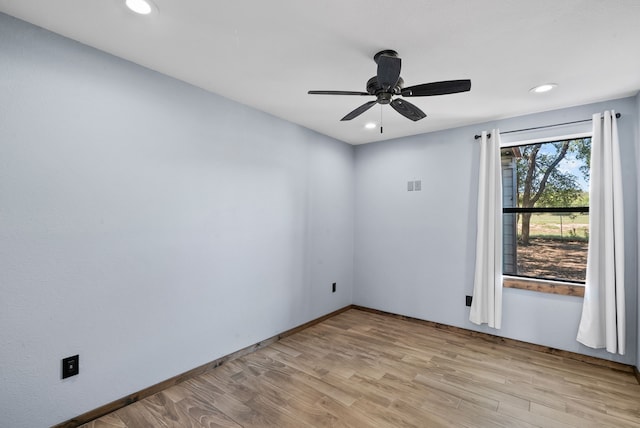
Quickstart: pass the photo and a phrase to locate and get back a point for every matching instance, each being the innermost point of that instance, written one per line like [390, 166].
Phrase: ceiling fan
[388, 84]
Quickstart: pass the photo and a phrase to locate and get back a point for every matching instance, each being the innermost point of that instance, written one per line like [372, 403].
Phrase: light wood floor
[360, 369]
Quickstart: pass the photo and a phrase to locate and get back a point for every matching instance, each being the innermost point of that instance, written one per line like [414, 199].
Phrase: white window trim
[547, 139]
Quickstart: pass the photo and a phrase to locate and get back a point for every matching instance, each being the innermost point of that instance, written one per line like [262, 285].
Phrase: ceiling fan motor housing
[374, 88]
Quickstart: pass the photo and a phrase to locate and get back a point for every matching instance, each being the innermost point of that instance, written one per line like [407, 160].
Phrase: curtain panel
[602, 324]
[486, 306]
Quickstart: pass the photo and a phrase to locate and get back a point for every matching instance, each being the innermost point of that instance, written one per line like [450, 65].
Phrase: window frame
[543, 285]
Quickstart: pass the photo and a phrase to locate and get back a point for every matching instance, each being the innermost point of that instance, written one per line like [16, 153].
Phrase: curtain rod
[545, 126]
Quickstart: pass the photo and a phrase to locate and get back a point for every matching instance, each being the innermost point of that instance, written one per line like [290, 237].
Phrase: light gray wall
[149, 226]
[152, 227]
[638, 260]
[415, 251]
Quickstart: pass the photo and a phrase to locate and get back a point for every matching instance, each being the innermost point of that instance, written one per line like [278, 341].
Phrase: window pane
[553, 175]
[557, 247]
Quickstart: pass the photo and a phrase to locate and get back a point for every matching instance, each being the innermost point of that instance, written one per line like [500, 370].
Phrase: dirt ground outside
[553, 259]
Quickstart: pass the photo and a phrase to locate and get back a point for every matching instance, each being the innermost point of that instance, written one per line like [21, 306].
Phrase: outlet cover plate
[70, 366]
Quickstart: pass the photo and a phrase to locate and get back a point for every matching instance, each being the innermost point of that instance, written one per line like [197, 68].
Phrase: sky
[569, 164]
[572, 165]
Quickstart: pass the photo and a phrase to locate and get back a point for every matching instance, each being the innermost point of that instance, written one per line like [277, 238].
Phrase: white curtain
[486, 306]
[603, 312]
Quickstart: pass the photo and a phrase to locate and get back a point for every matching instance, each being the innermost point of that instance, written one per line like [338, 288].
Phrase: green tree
[541, 182]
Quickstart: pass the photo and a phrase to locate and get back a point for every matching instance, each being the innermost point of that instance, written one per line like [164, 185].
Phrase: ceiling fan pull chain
[381, 118]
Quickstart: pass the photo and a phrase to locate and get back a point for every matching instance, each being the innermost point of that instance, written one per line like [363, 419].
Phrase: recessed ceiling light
[143, 7]
[543, 88]
[370, 125]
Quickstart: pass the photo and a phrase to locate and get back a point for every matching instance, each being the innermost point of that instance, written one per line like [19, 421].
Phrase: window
[545, 187]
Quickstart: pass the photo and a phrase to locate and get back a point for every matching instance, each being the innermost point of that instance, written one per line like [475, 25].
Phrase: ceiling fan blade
[437, 88]
[407, 109]
[337, 93]
[388, 71]
[357, 112]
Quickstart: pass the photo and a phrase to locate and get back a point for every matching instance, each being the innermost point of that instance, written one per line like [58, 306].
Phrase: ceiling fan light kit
[387, 86]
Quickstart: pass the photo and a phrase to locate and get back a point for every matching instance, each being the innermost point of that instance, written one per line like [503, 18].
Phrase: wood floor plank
[415, 394]
[364, 369]
[352, 417]
[137, 415]
[422, 414]
[164, 409]
[472, 415]
[205, 413]
[464, 394]
[108, 421]
[526, 416]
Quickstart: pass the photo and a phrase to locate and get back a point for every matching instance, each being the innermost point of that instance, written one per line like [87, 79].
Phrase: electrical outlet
[333, 287]
[417, 185]
[70, 366]
[410, 186]
[468, 300]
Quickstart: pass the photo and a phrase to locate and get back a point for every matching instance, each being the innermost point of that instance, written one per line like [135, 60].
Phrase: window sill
[542, 286]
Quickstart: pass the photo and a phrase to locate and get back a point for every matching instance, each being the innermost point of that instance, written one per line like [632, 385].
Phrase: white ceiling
[268, 54]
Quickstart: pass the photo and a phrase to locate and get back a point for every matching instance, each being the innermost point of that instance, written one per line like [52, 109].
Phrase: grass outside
[556, 226]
